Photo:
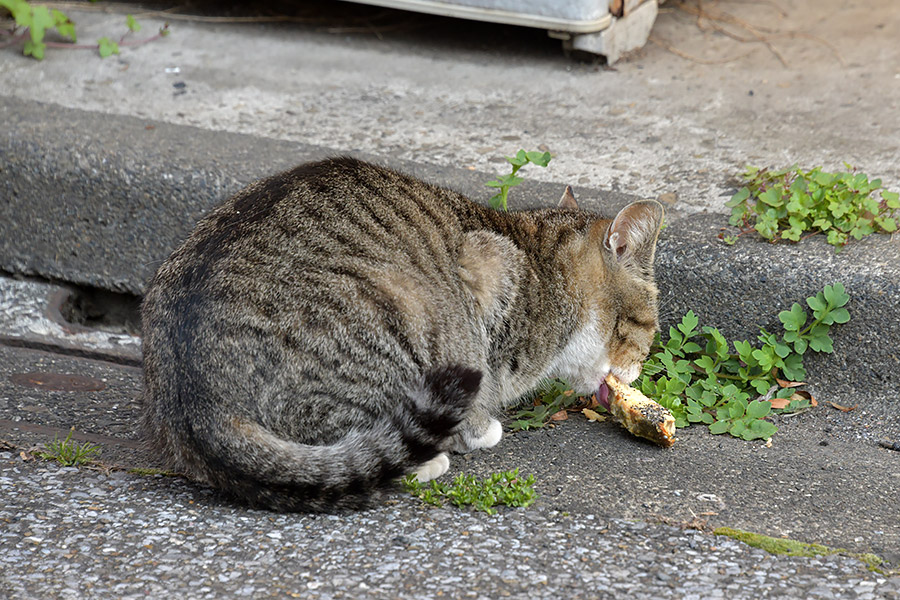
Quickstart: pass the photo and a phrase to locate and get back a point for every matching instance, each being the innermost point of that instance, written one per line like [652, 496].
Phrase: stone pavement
[614, 515]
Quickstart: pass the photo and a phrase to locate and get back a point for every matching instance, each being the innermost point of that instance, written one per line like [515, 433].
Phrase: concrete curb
[105, 208]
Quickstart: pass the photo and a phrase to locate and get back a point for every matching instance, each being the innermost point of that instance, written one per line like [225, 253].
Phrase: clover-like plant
[506, 488]
[790, 204]
[731, 387]
[32, 22]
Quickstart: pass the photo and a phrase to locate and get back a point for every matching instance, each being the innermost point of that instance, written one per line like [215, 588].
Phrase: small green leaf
[744, 349]
[888, 224]
[836, 294]
[34, 49]
[133, 25]
[781, 350]
[20, 10]
[739, 198]
[821, 343]
[760, 430]
[509, 180]
[793, 319]
[758, 409]
[541, 159]
[761, 386]
[836, 238]
[107, 47]
[63, 24]
[892, 199]
[772, 198]
[736, 410]
[817, 302]
[688, 323]
[41, 20]
[707, 363]
[793, 368]
[719, 427]
[519, 160]
[840, 315]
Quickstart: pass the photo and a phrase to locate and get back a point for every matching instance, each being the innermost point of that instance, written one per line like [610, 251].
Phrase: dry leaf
[780, 402]
[593, 415]
[842, 408]
[804, 395]
[789, 384]
[582, 403]
[798, 395]
[560, 416]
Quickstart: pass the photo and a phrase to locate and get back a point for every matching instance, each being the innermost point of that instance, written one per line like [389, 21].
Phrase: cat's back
[339, 210]
[312, 254]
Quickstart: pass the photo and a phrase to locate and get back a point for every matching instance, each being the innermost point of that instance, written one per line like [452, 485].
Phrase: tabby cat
[331, 328]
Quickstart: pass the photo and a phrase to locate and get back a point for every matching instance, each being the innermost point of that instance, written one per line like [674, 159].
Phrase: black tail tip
[454, 383]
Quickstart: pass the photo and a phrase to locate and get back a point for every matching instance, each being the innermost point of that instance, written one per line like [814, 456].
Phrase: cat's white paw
[464, 442]
[490, 438]
[432, 469]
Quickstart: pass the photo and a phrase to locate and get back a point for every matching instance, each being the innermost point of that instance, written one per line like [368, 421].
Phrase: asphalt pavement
[106, 164]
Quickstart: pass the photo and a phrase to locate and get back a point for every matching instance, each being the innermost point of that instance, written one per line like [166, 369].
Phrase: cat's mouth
[603, 395]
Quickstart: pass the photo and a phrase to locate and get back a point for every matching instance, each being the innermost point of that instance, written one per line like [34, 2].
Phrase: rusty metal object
[58, 382]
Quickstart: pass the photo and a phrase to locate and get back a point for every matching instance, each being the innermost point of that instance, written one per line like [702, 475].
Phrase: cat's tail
[267, 471]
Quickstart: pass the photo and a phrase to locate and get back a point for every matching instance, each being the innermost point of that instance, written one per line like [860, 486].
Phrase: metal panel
[574, 16]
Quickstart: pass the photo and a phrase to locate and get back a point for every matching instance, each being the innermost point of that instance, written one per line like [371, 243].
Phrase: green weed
[505, 488]
[32, 22]
[709, 383]
[505, 182]
[790, 204]
[69, 453]
[551, 396]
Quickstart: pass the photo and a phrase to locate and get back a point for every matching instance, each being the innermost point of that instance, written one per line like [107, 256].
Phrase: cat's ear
[568, 199]
[631, 237]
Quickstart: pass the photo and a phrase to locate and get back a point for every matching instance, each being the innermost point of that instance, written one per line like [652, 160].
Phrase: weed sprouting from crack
[506, 488]
[69, 453]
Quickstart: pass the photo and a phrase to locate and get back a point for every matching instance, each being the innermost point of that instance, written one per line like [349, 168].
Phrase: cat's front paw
[433, 468]
[466, 441]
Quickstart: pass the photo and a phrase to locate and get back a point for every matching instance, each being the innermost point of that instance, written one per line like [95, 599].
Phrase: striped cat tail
[266, 471]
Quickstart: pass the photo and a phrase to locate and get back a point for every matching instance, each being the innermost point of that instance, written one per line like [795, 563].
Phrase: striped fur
[332, 327]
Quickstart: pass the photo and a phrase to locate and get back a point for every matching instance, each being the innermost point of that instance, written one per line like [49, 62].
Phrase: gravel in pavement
[70, 533]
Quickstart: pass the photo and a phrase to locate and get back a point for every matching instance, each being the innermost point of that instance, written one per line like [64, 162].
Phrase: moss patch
[149, 472]
[788, 547]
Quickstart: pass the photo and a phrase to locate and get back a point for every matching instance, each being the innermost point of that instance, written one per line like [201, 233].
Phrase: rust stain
[59, 382]
[95, 438]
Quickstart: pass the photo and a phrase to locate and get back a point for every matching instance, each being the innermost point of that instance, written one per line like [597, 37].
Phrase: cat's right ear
[631, 237]
[568, 199]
